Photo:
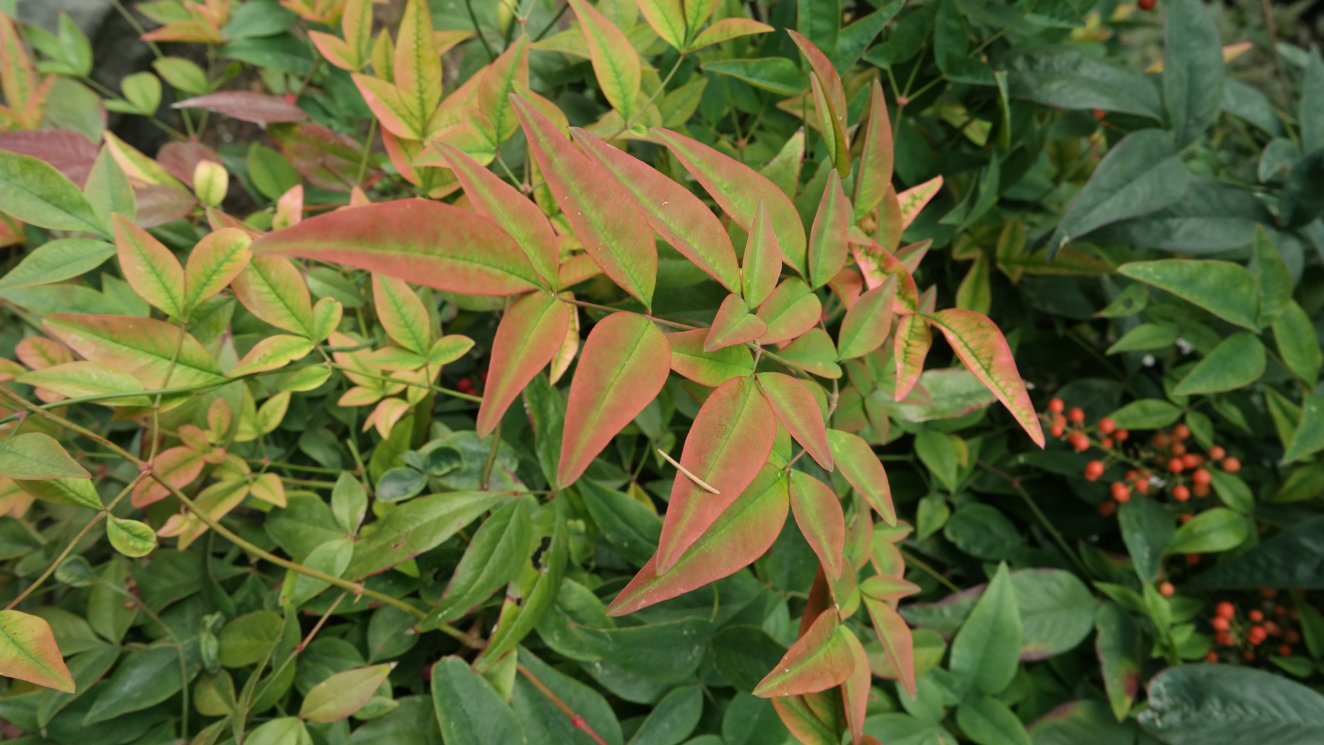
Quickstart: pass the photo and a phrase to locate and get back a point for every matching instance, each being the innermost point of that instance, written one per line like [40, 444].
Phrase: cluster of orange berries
[1250, 634]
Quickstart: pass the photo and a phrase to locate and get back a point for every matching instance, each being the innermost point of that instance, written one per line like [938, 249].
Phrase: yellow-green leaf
[342, 694]
[213, 264]
[273, 353]
[33, 455]
[130, 537]
[828, 237]
[150, 268]
[156, 353]
[615, 62]
[28, 652]
[402, 314]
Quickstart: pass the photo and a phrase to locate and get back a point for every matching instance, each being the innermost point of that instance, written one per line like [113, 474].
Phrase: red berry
[1200, 490]
[1284, 650]
[1217, 453]
[1255, 616]
[1107, 509]
[1211, 657]
[1181, 431]
[1146, 4]
[1076, 415]
[1132, 475]
[1201, 477]
[1121, 435]
[1166, 589]
[1107, 425]
[1186, 518]
[1225, 609]
[1106, 443]
[1273, 629]
[1279, 611]
[1268, 593]
[1256, 635]
[1161, 440]
[1192, 559]
[1248, 655]
[1141, 486]
[1176, 466]
[1292, 636]
[1099, 114]
[1093, 470]
[1181, 493]
[1231, 465]
[1057, 405]
[1218, 623]
[1057, 430]
[1080, 441]
[1177, 449]
[1120, 492]
[1223, 639]
[1191, 460]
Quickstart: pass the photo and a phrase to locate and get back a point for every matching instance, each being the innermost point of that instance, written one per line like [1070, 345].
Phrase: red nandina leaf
[711, 369]
[738, 190]
[855, 689]
[791, 310]
[819, 660]
[763, 259]
[743, 532]
[247, 106]
[28, 651]
[729, 442]
[912, 342]
[862, 469]
[177, 466]
[828, 243]
[797, 409]
[732, 325]
[829, 101]
[867, 323]
[912, 200]
[527, 338]
[624, 365]
[898, 643]
[676, 214]
[615, 233]
[984, 352]
[804, 723]
[70, 152]
[818, 512]
[509, 208]
[874, 175]
[426, 243]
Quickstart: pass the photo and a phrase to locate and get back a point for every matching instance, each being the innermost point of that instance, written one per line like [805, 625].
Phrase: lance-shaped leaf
[894, 634]
[738, 190]
[28, 652]
[874, 175]
[732, 325]
[272, 289]
[423, 242]
[691, 361]
[914, 199]
[743, 532]
[818, 513]
[149, 267]
[796, 408]
[527, 338]
[863, 471]
[624, 365]
[416, 69]
[142, 347]
[820, 659]
[729, 442]
[986, 651]
[499, 549]
[868, 322]
[469, 709]
[342, 694]
[615, 233]
[676, 214]
[829, 102]
[828, 246]
[35, 456]
[32, 190]
[791, 310]
[912, 341]
[273, 353]
[510, 209]
[667, 19]
[421, 524]
[727, 29]
[615, 62]
[763, 259]
[402, 314]
[984, 352]
[213, 264]
[84, 379]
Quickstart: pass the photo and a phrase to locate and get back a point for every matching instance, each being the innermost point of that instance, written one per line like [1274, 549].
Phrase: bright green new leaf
[417, 526]
[213, 264]
[343, 694]
[667, 19]
[497, 551]
[1297, 342]
[33, 191]
[1216, 529]
[77, 492]
[402, 314]
[272, 353]
[35, 456]
[130, 537]
[56, 261]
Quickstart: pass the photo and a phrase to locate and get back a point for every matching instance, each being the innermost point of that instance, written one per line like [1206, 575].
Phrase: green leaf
[342, 694]
[544, 722]
[820, 659]
[28, 652]
[828, 242]
[1146, 413]
[615, 62]
[1236, 362]
[1298, 344]
[74, 492]
[283, 731]
[985, 652]
[248, 639]
[156, 353]
[416, 526]
[469, 709]
[402, 314]
[1147, 531]
[1070, 77]
[777, 75]
[874, 174]
[498, 550]
[667, 19]
[56, 261]
[1214, 530]
[35, 456]
[213, 264]
[1146, 337]
[130, 537]
[149, 267]
[32, 190]
[1272, 276]
[1227, 704]
[143, 678]
[711, 369]
[988, 721]
[1192, 69]
[1308, 438]
[1290, 559]
[1119, 648]
[863, 471]
[1224, 289]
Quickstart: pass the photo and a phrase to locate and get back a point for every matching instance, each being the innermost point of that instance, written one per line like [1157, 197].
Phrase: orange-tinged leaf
[791, 310]
[797, 409]
[829, 101]
[877, 265]
[729, 442]
[499, 79]
[402, 315]
[855, 689]
[912, 200]
[818, 513]
[213, 264]
[804, 724]
[738, 190]
[149, 267]
[510, 209]
[527, 339]
[624, 365]
[417, 65]
[390, 108]
[567, 351]
[615, 62]
[874, 174]
[732, 325]
[912, 342]
[895, 636]
[868, 322]
[819, 660]
[828, 245]
[427, 243]
[615, 233]
[676, 214]
[272, 353]
[727, 29]
[711, 369]
[822, 69]
[863, 471]
[763, 259]
[28, 652]
[177, 466]
[983, 350]
[272, 289]
[667, 19]
[743, 532]
[141, 347]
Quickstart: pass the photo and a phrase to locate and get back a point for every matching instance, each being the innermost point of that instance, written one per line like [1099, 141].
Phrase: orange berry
[1121, 435]
[1161, 440]
[1200, 490]
[1211, 657]
[1107, 425]
[1057, 405]
[1107, 509]
[1218, 623]
[1255, 616]
[1132, 475]
[1076, 415]
[1256, 635]
[1217, 453]
[1176, 466]
[1201, 477]
[1191, 460]
[1181, 493]
[1177, 449]
[1181, 431]
[1284, 650]
[1166, 589]
[1231, 465]
[1223, 639]
[1080, 441]
[1141, 486]
[1093, 470]
[1057, 430]
[1106, 443]
[1225, 609]
[1120, 492]
[1146, 4]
